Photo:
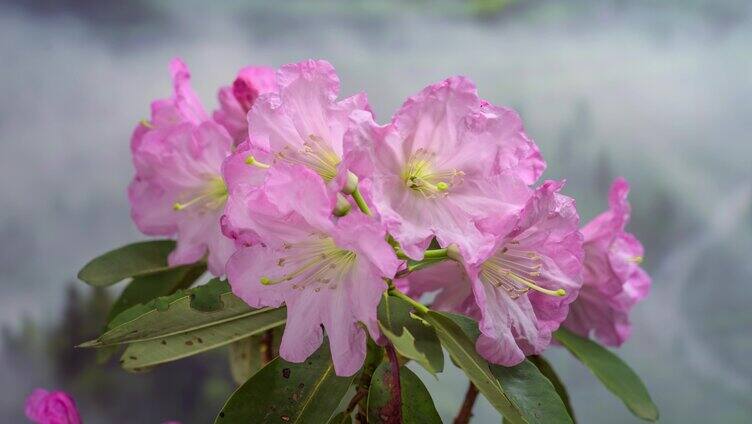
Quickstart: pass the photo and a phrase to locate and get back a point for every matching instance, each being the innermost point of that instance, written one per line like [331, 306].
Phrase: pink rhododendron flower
[326, 272]
[235, 101]
[521, 291]
[435, 167]
[44, 407]
[613, 281]
[302, 122]
[178, 187]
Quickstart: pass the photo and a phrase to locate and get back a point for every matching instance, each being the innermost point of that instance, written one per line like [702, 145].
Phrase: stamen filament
[180, 206]
[250, 160]
[530, 284]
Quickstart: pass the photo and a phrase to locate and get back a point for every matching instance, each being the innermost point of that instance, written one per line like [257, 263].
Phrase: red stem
[395, 386]
[463, 417]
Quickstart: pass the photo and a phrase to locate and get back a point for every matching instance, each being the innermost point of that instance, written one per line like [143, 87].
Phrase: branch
[395, 403]
[463, 417]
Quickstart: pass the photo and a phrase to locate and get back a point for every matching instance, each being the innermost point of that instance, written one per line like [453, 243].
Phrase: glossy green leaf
[196, 340]
[146, 288]
[532, 394]
[547, 370]
[308, 392]
[133, 260]
[462, 350]
[612, 372]
[411, 337]
[417, 406]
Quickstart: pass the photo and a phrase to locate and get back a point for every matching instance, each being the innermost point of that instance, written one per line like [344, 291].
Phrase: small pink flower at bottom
[327, 274]
[44, 407]
[613, 281]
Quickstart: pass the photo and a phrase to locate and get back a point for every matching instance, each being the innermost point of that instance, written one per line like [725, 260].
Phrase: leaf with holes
[146, 288]
[200, 339]
[173, 314]
[133, 260]
[308, 392]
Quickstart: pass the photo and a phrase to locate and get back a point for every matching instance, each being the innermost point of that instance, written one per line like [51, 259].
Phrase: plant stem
[395, 385]
[267, 346]
[360, 201]
[435, 254]
[428, 254]
[394, 291]
[463, 417]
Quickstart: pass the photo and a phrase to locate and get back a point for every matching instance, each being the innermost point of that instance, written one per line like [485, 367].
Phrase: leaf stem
[360, 201]
[394, 291]
[466, 412]
[428, 254]
[435, 253]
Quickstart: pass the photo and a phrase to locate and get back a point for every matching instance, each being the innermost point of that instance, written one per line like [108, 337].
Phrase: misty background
[657, 92]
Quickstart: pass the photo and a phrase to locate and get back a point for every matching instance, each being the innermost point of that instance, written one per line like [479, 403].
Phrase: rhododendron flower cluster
[302, 199]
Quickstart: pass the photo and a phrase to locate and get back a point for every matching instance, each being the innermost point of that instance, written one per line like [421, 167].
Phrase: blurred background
[655, 91]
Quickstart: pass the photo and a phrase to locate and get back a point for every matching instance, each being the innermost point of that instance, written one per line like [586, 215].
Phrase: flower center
[315, 154]
[419, 175]
[516, 271]
[210, 197]
[316, 263]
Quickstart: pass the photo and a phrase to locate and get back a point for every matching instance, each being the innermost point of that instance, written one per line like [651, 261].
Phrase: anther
[147, 124]
[442, 186]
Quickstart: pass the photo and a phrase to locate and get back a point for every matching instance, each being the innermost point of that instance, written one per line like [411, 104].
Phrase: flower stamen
[314, 263]
[420, 177]
[515, 271]
[251, 160]
[211, 197]
[315, 154]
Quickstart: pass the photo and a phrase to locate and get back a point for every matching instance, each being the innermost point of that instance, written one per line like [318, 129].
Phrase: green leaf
[133, 260]
[146, 288]
[174, 314]
[612, 372]
[192, 341]
[308, 392]
[417, 405]
[462, 350]
[411, 337]
[531, 393]
[532, 397]
[547, 370]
